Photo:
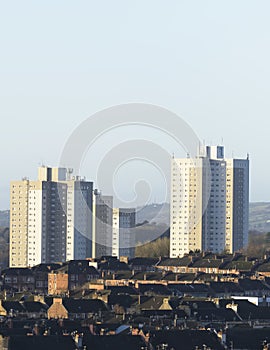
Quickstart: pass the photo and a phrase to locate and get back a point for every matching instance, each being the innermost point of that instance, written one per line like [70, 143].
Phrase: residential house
[18, 279]
[71, 275]
[75, 308]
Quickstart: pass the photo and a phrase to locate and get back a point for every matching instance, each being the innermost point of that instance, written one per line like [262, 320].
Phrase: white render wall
[44, 216]
[35, 219]
[70, 221]
[18, 223]
[186, 206]
[209, 203]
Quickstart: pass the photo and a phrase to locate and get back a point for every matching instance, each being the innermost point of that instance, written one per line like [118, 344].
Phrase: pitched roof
[12, 305]
[152, 303]
[247, 337]
[249, 311]
[45, 267]
[198, 304]
[84, 305]
[215, 314]
[186, 339]
[184, 261]
[34, 306]
[241, 265]
[264, 267]
[119, 342]
[149, 276]
[143, 261]
[189, 288]
[122, 300]
[225, 287]
[41, 343]
[171, 276]
[77, 267]
[248, 284]
[113, 265]
[17, 271]
[208, 263]
[154, 288]
[126, 275]
[122, 290]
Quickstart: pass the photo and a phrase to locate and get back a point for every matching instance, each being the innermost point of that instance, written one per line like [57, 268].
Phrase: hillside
[152, 223]
[158, 213]
[4, 218]
[4, 246]
[259, 215]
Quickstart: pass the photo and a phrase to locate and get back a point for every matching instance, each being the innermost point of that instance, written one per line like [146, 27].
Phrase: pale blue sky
[61, 61]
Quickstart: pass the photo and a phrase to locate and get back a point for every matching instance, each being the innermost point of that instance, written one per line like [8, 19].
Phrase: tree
[159, 247]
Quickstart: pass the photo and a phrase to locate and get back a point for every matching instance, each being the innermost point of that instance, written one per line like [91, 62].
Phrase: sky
[62, 61]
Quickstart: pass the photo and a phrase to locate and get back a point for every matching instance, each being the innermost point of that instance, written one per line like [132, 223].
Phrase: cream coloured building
[50, 218]
[19, 193]
[209, 203]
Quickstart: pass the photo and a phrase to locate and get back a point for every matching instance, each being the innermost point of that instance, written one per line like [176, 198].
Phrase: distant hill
[154, 213]
[4, 246]
[150, 232]
[259, 215]
[153, 220]
[4, 218]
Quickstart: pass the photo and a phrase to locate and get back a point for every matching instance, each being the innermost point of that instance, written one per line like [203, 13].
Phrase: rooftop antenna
[173, 155]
